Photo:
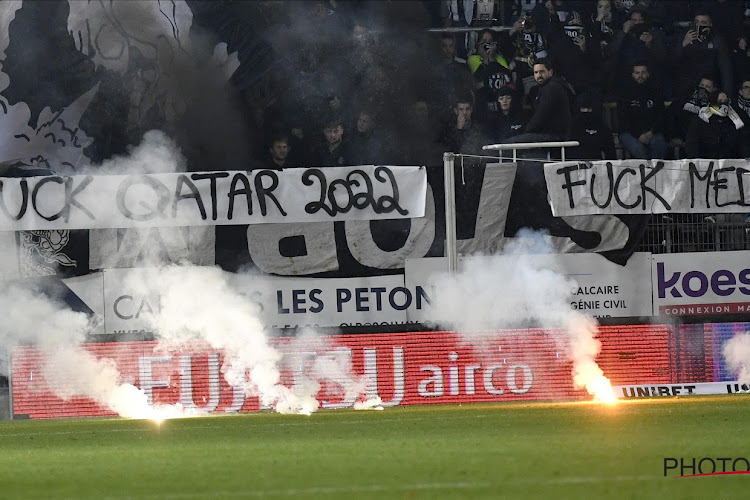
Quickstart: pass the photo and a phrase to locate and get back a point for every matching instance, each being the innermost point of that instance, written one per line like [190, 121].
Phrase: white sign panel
[282, 302]
[603, 289]
[701, 283]
[685, 389]
[212, 198]
[420, 274]
[645, 186]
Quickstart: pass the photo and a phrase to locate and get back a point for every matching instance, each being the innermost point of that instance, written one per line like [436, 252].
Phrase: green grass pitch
[539, 450]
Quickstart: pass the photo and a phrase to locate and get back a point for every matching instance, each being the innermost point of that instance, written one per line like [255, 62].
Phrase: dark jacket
[717, 138]
[700, 58]
[595, 138]
[742, 108]
[501, 127]
[640, 108]
[581, 69]
[322, 157]
[627, 49]
[552, 107]
[468, 140]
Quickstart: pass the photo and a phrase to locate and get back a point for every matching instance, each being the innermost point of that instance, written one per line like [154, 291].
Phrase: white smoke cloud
[201, 303]
[196, 303]
[330, 364]
[156, 153]
[515, 290]
[737, 354]
[33, 318]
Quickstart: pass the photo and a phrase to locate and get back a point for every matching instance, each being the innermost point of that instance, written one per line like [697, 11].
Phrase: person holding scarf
[714, 132]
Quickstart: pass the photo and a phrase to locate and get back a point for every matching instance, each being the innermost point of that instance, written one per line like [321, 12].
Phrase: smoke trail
[333, 366]
[200, 303]
[516, 290]
[31, 317]
[737, 354]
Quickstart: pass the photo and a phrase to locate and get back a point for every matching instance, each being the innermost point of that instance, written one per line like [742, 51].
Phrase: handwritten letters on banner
[642, 187]
[212, 198]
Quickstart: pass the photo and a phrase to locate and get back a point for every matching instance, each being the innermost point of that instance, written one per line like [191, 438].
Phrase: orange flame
[601, 389]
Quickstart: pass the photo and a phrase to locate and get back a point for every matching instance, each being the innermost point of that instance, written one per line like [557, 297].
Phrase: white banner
[212, 198]
[645, 186]
[282, 302]
[603, 289]
[685, 389]
[701, 283]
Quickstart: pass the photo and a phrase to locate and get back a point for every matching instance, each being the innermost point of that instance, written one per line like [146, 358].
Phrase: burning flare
[601, 389]
[584, 349]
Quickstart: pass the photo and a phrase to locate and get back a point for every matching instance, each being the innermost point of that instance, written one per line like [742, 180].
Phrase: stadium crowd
[626, 78]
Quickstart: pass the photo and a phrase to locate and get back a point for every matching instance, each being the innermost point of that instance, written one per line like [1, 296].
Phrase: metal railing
[678, 233]
[531, 145]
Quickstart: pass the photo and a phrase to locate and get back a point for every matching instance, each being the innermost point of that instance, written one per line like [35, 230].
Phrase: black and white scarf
[743, 104]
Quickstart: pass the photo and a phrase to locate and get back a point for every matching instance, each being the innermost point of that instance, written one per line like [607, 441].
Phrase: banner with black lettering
[211, 198]
[280, 302]
[493, 204]
[648, 187]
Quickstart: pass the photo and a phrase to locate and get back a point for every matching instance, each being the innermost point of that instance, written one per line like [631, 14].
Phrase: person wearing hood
[640, 111]
[578, 58]
[595, 138]
[510, 118]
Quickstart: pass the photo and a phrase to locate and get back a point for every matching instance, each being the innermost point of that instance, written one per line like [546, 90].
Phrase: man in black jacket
[641, 115]
[552, 119]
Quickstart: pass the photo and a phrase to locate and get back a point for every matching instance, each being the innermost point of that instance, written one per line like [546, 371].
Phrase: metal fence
[677, 233]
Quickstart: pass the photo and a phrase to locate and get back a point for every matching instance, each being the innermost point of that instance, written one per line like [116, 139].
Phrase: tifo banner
[211, 198]
[701, 284]
[648, 187]
[403, 369]
[602, 289]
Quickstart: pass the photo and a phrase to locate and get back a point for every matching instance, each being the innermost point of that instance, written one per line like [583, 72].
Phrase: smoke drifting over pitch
[32, 317]
[219, 315]
[514, 291]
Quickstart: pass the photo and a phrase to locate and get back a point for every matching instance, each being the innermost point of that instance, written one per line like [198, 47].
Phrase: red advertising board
[403, 369]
